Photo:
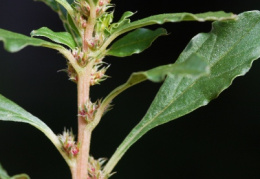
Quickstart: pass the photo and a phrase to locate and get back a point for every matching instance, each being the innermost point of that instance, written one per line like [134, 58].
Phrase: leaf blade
[164, 18]
[231, 48]
[177, 17]
[13, 42]
[9, 111]
[64, 38]
[135, 42]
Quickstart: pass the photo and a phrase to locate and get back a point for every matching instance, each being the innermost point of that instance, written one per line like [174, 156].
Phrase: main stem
[84, 75]
[84, 132]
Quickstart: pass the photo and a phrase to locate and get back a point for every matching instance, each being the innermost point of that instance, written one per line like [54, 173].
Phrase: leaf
[4, 175]
[176, 17]
[123, 20]
[230, 48]
[163, 18]
[193, 67]
[14, 42]
[64, 38]
[62, 12]
[9, 111]
[135, 42]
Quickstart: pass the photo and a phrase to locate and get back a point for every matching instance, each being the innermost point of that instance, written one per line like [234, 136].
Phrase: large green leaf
[135, 42]
[14, 42]
[9, 111]
[230, 48]
[4, 175]
[64, 38]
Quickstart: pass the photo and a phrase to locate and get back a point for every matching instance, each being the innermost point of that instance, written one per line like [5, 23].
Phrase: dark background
[219, 141]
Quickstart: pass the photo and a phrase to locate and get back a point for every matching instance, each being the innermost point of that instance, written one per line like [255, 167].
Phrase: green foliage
[135, 42]
[122, 21]
[64, 38]
[172, 17]
[230, 48]
[10, 111]
[206, 67]
[14, 42]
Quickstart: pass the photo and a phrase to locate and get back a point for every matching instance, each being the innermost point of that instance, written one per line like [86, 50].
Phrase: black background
[219, 141]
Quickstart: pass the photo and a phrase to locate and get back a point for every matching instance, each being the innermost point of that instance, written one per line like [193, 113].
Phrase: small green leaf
[135, 42]
[61, 11]
[4, 175]
[230, 49]
[14, 42]
[64, 38]
[123, 21]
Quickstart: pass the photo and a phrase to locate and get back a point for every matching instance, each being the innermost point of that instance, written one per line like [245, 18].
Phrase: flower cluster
[81, 57]
[89, 111]
[103, 6]
[73, 76]
[68, 143]
[82, 9]
[95, 168]
[98, 74]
